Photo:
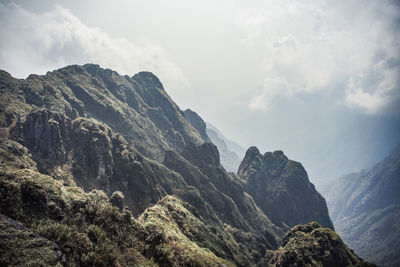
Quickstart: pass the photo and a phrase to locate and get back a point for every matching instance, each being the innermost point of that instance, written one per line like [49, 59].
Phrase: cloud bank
[53, 39]
[315, 46]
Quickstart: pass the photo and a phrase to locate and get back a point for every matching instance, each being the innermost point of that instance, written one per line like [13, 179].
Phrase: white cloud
[50, 40]
[375, 89]
[260, 102]
[263, 99]
[316, 46]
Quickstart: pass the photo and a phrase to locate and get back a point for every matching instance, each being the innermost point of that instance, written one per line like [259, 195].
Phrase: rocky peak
[251, 153]
[271, 162]
[282, 189]
[148, 80]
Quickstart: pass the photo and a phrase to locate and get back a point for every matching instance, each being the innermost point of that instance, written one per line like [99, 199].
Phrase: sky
[317, 79]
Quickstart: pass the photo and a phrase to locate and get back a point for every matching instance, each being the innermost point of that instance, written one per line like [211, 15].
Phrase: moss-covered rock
[19, 246]
[85, 228]
[177, 235]
[312, 245]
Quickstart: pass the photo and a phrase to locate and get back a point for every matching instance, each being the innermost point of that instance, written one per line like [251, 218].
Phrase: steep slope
[281, 188]
[86, 151]
[229, 159]
[138, 108]
[80, 143]
[89, 154]
[63, 225]
[365, 208]
[197, 122]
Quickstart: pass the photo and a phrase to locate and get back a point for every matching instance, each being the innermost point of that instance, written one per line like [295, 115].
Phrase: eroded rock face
[47, 136]
[312, 245]
[281, 188]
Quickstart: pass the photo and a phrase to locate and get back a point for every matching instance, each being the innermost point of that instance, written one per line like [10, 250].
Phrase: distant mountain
[99, 169]
[232, 146]
[231, 153]
[230, 159]
[365, 208]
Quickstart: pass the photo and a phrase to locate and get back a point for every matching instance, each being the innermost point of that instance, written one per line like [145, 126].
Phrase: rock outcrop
[281, 188]
[313, 245]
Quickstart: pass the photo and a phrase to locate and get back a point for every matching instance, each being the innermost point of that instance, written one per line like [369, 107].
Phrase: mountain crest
[282, 189]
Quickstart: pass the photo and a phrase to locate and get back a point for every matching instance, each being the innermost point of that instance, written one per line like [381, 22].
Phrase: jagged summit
[148, 80]
[282, 189]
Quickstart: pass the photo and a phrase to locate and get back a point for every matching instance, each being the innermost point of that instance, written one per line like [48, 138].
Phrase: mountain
[281, 188]
[232, 146]
[229, 159]
[365, 208]
[197, 122]
[99, 169]
[231, 152]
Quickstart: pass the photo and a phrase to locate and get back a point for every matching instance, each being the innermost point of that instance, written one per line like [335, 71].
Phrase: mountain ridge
[365, 208]
[86, 152]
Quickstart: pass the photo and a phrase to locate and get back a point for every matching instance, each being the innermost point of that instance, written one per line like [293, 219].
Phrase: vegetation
[365, 207]
[313, 245]
[98, 169]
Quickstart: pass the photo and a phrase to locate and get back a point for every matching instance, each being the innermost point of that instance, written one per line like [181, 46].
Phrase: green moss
[173, 229]
[21, 247]
[312, 245]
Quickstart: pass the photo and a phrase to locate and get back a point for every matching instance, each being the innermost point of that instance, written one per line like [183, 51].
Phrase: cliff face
[107, 169]
[365, 208]
[281, 188]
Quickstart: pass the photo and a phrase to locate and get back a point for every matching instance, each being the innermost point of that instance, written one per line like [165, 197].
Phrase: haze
[316, 79]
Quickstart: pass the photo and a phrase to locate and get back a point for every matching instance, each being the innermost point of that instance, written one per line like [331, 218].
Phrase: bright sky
[316, 79]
